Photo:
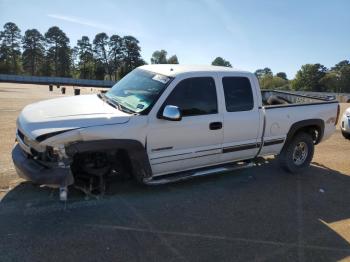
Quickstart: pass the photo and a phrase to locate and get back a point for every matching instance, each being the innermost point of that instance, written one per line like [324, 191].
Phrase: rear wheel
[345, 135]
[297, 155]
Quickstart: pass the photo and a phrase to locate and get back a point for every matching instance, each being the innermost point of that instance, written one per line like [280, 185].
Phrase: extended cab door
[194, 141]
[242, 117]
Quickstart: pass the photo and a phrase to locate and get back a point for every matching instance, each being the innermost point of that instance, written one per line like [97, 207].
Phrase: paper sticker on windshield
[162, 79]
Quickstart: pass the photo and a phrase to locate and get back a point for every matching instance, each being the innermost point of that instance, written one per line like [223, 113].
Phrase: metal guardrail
[41, 80]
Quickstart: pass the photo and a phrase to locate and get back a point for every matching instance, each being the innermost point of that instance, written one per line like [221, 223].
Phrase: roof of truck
[173, 70]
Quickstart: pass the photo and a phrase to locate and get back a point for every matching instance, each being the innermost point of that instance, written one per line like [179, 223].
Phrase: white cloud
[81, 21]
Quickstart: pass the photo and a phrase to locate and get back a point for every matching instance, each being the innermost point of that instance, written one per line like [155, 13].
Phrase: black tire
[294, 157]
[345, 135]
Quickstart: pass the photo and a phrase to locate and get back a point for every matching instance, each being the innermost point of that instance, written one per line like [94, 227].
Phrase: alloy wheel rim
[300, 153]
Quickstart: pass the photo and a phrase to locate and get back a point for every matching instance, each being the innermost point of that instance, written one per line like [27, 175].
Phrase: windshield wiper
[117, 105]
[125, 109]
[109, 101]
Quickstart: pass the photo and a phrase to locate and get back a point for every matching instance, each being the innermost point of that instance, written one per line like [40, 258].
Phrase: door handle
[215, 125]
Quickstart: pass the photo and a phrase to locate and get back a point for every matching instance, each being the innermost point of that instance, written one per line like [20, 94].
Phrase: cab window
[194, 96]
[238, 94]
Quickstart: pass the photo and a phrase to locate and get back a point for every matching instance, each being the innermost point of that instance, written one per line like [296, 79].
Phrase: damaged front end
[46, 132]
[41, 164]
[86, 165]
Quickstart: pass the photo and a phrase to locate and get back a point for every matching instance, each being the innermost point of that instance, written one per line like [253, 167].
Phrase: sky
[251, 34]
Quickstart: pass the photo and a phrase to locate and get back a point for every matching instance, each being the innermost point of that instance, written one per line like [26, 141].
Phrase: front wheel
[297, 155]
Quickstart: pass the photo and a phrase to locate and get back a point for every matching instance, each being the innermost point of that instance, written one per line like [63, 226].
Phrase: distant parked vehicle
[345, 124]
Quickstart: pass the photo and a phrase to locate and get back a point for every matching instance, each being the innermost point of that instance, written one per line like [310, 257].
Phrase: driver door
[194, 141]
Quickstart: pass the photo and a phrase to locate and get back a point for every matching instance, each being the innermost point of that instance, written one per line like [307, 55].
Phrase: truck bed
[284, 109]
[276, 98]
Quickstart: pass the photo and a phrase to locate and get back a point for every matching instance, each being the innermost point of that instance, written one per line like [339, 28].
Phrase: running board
[159, 180]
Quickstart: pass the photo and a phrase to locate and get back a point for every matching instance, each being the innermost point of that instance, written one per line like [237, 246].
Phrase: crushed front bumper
[28, 169]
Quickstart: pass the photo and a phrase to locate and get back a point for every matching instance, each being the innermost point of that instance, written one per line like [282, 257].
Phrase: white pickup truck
[164, 123]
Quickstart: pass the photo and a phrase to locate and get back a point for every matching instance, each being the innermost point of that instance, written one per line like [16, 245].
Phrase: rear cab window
[238, 93]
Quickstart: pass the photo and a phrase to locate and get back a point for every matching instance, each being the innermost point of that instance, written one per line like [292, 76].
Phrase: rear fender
[317, 124]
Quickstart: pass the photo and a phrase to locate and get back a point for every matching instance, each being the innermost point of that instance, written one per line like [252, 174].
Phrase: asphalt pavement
[260, 214]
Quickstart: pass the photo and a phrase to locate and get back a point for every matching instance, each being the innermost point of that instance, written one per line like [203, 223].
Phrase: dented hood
[68, 113]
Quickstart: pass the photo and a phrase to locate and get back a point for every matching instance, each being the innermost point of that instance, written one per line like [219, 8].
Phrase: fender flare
[137, 153]
[297, 126]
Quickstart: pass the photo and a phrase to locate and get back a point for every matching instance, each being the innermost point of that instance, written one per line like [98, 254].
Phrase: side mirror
[171, 113]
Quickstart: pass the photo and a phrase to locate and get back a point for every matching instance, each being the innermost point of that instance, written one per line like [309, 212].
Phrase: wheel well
[314, 131]
[314, 127]
[125, 160]
[113, 158]
[132, 153]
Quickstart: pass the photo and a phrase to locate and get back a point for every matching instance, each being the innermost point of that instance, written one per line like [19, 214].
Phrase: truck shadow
[260, 213]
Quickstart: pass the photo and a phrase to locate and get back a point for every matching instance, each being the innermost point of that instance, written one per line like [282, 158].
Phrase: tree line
[112, 57]
[311, 77]
[50, 54]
